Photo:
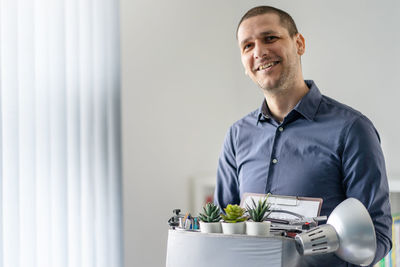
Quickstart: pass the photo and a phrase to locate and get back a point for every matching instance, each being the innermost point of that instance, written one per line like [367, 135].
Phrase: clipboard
[308, 207]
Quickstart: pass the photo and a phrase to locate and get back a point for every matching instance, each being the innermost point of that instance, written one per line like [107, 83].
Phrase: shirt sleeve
[227, 186]
[365, 179]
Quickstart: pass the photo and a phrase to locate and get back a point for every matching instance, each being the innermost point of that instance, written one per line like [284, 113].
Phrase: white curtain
[60, 161]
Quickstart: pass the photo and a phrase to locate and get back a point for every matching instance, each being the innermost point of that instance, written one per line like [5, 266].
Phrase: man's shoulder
[343, 117]
[250, 119]
[338, 109]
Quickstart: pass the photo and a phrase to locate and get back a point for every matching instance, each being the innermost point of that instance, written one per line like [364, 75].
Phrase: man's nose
[260, 51]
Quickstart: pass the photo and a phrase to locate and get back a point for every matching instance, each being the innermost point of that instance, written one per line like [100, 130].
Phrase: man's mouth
[267, 65]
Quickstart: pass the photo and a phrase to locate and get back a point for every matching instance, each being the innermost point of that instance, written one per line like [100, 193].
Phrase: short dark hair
[285, 19]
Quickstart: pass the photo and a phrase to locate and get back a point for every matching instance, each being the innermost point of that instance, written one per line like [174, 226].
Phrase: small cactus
[257, 211]
[211, 213]
[234, 213]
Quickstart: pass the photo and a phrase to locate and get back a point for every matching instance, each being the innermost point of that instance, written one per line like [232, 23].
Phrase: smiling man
[299, 142]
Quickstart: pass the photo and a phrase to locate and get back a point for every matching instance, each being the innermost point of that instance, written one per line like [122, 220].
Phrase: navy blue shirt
[322, 149]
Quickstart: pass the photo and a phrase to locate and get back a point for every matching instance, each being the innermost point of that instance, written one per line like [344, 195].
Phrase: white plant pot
[258, 228]
[234, 228]
[210, 227]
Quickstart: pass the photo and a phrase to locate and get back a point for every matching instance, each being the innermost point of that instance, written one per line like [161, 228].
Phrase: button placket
[274, 157]
[280, 130]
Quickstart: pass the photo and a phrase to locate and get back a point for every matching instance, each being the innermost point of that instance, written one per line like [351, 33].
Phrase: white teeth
[266, 65]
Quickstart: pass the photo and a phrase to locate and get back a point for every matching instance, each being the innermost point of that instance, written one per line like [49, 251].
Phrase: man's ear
[301, 44]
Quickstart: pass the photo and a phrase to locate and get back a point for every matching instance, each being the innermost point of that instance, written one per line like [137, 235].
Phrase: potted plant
[234, 220]
[210, 219]
[257, 214]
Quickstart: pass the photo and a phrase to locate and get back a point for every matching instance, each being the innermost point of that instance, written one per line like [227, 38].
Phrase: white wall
[183, 85]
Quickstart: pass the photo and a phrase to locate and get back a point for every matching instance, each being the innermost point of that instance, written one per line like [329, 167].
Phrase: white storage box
[197, 249]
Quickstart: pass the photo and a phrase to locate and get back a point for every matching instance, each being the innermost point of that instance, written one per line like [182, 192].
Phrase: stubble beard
[284, 82]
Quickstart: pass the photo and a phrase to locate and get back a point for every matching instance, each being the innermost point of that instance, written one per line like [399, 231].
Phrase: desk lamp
[349, 232]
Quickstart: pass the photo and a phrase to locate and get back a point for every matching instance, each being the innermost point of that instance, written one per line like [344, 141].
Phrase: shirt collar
[263, 113]
[307, 106]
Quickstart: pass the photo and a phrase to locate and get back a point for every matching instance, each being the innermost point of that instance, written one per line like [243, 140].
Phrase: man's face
[269, 55]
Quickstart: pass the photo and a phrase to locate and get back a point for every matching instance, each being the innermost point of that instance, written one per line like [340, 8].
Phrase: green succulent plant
[234, 214]
[258, 211]
[211, 213]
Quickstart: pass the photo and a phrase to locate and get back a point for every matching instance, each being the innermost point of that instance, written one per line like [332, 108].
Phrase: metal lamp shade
[349, 233]
[356, 232]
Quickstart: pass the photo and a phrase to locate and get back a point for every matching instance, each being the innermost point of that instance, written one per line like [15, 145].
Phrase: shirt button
[274, 161]
[280, 129]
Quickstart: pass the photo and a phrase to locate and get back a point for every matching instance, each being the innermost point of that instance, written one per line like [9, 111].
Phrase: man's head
[285, 19]
[271, 48]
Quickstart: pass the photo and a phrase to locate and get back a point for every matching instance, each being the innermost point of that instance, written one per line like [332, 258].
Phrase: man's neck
[282, 102]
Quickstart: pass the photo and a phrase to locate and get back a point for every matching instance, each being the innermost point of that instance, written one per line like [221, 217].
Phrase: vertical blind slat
[86, 115]
[10, 193]
[42, 153]
[1, 143]
[114, 135]
[100, 132]
[58, 170]
[26, 126]
[73, 134]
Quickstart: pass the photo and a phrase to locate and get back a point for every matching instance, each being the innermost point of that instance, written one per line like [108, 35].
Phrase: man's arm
[365, 178]
[227, 187]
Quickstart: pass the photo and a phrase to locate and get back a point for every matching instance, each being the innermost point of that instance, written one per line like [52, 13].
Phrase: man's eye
[270, 38]
[247, 46]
